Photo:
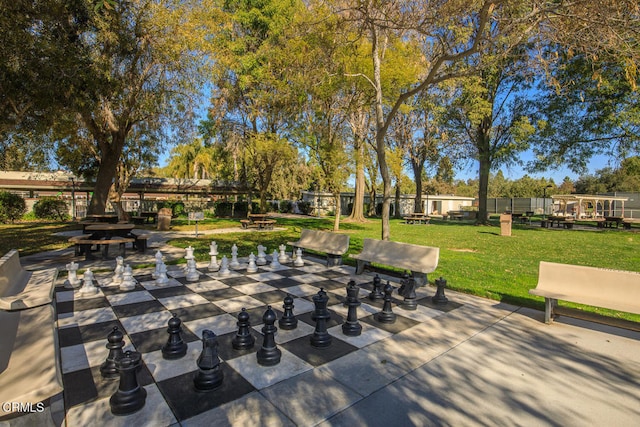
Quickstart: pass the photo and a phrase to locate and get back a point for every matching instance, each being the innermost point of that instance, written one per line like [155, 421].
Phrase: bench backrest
[423, 259]
[13, 278]
[324, 241]
[589, 282]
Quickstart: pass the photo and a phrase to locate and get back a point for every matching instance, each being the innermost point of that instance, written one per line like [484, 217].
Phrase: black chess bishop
[175, 348]
[243, 339]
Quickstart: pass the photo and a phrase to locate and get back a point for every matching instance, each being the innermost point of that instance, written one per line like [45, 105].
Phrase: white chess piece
[224, 266]
[192, 271]
[118, 273]
[162, 278]
[234, 257]
[88, 288]
[158, 262]
[298, 262]
[213, 252]
[274, 260]
[283, 258]
[128, 282]
[72, 276]
[187, 257]
[252, 268]
[262, 256]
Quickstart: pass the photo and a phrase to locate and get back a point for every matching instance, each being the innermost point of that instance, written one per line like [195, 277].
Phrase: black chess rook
[115, 342]
[243, 339]
[288, 320]
[209, 375]
[439, 297]
[175, 348]
[351, 327]
[269, 354]
[321, 337]
[386, 315]
[130, 396]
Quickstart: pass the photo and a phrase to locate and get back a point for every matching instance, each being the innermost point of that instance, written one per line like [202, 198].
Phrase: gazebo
[588, 205]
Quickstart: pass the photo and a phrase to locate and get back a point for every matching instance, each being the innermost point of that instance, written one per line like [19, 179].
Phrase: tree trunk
[417, 176]
[396, 212]
[357, 210]
[336, 220]
[484, 159]
[106, 172]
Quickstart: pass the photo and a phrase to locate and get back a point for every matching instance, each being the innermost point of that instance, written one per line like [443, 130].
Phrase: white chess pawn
[128, 282]
[88, 288]
[72, 277]
[234, 257]
[224, 266]
[298, 262]
[274, 260]
[162, 278]
[118, 273]
[262, 256]
[252, 268]
[213, 252]
[192, 271]
[158, 262]
[283, 258]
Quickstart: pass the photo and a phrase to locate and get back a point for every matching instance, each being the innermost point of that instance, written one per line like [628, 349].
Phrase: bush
[305, 207]
[12, 207]
[286, 206]
[223, 209]
[51, 208]
[176, 206]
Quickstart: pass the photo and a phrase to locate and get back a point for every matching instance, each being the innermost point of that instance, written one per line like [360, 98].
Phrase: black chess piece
[351, 327]
[288, 320]
[175, 347]
[321, 337]
[403, 283]
[269, 354]
[439, 297]
[209, 374]
[409, 293]
[386, 315]
[130, 396]
[243, 339]
[115, 343]
[376, 293]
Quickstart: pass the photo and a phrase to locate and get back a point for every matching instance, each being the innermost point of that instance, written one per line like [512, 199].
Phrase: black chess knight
[408, 291]
[209, 374]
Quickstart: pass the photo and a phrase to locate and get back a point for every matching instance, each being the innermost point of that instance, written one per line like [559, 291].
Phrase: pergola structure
[589, 205]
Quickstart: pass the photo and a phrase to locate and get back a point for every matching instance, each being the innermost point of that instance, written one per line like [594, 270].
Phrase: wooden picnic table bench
[258, 221]
[599, 287]
[417, 219]
[84, 245]
[420, 260]
[333, 244]
[628, 222]
[29, 365]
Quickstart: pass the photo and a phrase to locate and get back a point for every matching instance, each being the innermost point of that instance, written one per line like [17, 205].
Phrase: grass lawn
[473, 259]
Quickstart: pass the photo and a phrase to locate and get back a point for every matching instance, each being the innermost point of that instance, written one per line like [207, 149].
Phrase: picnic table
[109, 218]
[108, 231]
[258, 220]
[417, 218]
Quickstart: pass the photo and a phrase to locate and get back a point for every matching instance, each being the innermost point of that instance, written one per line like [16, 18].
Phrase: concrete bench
[598, 287]
[420, 260]
[333, 244]
[21, 289]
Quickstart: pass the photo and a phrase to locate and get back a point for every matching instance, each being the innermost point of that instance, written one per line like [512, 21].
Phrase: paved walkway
[486, 364]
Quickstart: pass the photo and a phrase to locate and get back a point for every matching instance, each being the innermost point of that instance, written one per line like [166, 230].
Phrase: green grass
[473, 259]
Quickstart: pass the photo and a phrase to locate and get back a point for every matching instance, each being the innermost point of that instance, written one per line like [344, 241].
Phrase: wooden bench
[266, 224]
[417, 219]
[29, 365]
[333, 244]
[21, 289]
[420, 260]
[628, 222]
[245, 223]
[84, 245]
[598, 287]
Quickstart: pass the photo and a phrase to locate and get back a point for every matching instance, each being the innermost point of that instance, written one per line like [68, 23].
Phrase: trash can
[505, 224]
[164, 219]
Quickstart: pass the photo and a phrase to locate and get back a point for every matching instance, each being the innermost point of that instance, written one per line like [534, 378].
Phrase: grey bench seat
[20, 288]
[598, 287]
[420, 260]
[333, 244]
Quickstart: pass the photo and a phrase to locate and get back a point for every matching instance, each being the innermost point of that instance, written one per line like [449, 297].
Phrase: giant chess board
[212, 302]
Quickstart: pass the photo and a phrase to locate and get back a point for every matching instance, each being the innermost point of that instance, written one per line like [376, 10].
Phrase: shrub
[12, 207]
[223, 209]
[286, 206]
[176, 206]
[305, 207]
[51, 208]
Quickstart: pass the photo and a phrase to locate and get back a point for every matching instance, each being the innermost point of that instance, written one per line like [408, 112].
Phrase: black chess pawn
[115, 343]
[209, 374]
[243, 339]
[288, 320]
[439, 297]
[386, 315]
[269, 354]
[175, 347]
[376, 293]
[351, 327]
[409, 293]
[321, 337]
[130, 396]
